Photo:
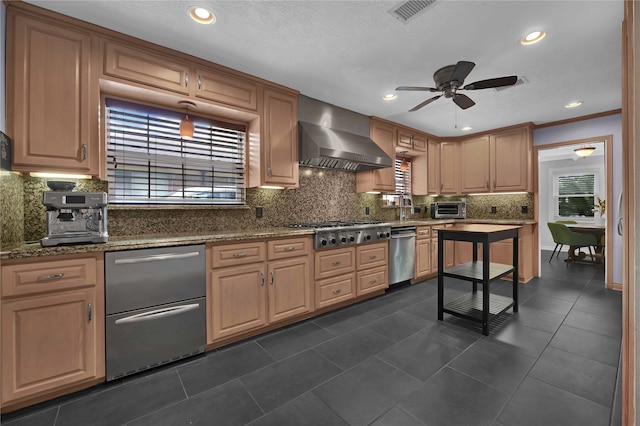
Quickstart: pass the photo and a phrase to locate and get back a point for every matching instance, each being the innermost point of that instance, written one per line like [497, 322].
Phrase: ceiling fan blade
[463, 101]
[492, 82]
[427, 102]
[417, 89]
[461, 71]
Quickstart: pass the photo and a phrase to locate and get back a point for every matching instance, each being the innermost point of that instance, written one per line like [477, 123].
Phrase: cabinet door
[474, 160]
[52, 99]
[449, 254]
[280, 148]
[289, 288]
[237, 301]
[405, 140]
[423, 257]
[372, 255]
[48, 342]
[371, 280]
[449, 168]
[335, 290]
[142, 67]
[227, 89]
[511, 161]
[382, 180]
[433, 167]
[419, 143]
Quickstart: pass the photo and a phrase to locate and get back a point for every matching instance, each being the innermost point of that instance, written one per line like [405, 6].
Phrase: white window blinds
[403, 178]
[148, 162]
[574, 194]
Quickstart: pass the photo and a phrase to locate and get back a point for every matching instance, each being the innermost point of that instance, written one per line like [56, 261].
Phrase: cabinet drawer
[334, 262]
[136, 65]
[424, 232]
[335, 290]
[370, 256]
[48, 275]
[227, 89]
[291, 247]
[372, 280]
[237, 254]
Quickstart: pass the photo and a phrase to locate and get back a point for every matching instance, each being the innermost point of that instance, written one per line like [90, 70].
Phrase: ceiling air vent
[519, 81]
[407, 10]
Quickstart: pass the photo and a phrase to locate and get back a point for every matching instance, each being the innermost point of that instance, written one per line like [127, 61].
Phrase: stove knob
[352, 238]
[333, 240]
[343, 239]
[367, 237]
[387, 234]
[323, 242]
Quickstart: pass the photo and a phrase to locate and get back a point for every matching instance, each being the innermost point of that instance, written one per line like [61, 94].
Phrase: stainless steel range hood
[336, 138]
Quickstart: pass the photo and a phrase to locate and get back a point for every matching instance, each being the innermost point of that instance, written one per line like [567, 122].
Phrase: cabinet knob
[372, 257]
[373, 281]
[338, 291]
[336, 263]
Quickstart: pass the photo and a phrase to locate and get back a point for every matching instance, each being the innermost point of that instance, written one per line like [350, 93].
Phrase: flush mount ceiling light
[584, 151]
[186, 125]
[533, 37]
[389, 96]
[202, 15]
[573, 104]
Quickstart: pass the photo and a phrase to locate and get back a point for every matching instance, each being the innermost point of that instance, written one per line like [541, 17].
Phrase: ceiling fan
[449, 80]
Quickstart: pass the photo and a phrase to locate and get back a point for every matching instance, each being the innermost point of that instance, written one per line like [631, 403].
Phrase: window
[403, 182]
[574, 194]
[149, 163]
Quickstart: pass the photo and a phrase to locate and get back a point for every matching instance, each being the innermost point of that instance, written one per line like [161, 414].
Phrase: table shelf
[470, 306]
[472, 271]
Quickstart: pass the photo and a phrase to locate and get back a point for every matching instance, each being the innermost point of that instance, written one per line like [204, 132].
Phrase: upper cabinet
[433, 166]
[52, 96]
[449, 168]
[411, 141]
[226, 88]
[498, 162]
[381, 180]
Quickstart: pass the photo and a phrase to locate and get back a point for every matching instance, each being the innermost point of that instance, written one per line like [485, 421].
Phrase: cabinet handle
[199, 82]
[268, 170]
[372, 257]
[89, 311]
[84, 151]
[243, 254]
[373, 281]
[338, 291]
[262, 278]
[494, 184]
[186, 79]
[336, 263]
[272, 277]
[487, 184]
[50, 277]
[441, 186]
[290, 248]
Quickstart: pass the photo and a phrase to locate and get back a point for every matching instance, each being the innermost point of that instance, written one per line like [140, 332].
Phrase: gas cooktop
[332, 234]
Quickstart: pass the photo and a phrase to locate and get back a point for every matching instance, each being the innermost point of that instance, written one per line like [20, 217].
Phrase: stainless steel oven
[155, 307]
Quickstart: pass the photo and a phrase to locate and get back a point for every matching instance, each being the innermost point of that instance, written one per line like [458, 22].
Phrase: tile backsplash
[323, 195]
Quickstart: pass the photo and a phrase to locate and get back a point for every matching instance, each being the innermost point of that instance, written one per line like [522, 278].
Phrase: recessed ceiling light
[466, 128]
[202, 15]
[389, 96]
[573, 104]
[533, 37]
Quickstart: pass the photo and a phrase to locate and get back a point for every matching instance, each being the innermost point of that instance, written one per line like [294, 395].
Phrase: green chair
[564, 236]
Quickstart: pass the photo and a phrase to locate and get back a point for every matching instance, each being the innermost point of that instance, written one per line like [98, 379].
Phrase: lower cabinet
[252, 285]
[426, 258]
[371, 266]
[52, 339]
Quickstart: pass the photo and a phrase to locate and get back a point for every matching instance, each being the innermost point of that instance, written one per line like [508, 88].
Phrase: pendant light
[584, 151]
[186, 125]
[404, 166]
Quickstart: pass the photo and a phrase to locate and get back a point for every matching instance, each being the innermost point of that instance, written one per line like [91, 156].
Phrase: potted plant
[599, 210]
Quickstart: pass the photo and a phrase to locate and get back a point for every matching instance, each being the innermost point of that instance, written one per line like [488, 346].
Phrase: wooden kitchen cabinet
[433, 167]
[511, 160]
[226, 89]
[449, 168]
[371, 266]
[335, 277]
[52, 96]
[426, 257]
[381, 180]
[52, 337]
[410, 141]
[474, 160]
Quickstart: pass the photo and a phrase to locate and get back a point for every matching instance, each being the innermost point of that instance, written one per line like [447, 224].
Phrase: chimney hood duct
[336, 138]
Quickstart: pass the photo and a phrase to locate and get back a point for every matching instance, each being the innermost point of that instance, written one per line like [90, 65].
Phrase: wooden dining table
[597, 231]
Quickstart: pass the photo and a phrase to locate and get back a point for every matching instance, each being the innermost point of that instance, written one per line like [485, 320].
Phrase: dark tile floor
[389, 362]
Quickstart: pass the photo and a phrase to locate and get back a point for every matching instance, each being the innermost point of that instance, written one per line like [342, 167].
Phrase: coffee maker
[75, 217]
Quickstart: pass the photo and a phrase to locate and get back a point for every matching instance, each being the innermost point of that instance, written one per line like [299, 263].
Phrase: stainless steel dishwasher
[402, 249]
[155, 307]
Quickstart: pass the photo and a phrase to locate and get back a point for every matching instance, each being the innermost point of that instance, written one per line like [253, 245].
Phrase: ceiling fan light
[533, 37]
[584, 151]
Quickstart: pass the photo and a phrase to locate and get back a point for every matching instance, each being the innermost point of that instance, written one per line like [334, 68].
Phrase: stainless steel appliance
[449, 210]
[402, 249]
[155, 307]
[343, 233]
[75, 217]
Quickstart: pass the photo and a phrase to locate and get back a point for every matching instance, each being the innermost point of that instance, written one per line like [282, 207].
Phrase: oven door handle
[156, 258]
[158, 313]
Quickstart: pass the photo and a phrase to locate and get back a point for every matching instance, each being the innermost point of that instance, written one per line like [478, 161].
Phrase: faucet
[403, 212]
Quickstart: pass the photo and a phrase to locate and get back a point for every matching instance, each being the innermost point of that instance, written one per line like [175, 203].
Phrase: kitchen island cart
[478, 306]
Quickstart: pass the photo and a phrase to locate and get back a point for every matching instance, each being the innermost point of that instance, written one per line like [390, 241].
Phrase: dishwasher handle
[156, 258]
[400, 236]
[158, 313]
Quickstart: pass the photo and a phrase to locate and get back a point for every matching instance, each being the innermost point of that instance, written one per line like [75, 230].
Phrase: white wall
[545, 185]
[594, 128]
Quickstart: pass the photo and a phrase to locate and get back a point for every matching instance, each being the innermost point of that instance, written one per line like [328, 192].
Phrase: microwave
[449, 210]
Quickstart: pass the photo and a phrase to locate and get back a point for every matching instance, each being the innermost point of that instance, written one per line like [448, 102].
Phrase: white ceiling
[350, 53]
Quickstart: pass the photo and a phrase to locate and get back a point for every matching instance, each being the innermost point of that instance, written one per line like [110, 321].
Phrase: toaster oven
[449, 210]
